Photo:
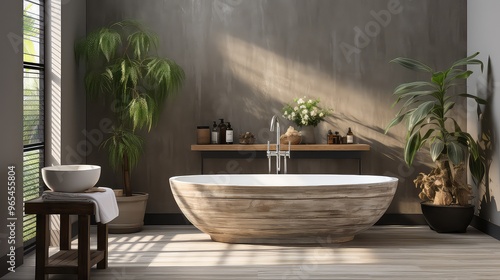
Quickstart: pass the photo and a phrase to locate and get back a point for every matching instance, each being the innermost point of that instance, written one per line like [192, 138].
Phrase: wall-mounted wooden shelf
[302, 151]
[263, 147]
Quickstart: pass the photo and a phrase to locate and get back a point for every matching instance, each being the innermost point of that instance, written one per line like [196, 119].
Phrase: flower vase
[307, 133]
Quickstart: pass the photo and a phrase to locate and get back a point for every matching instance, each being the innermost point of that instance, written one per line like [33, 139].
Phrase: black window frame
[34, 148]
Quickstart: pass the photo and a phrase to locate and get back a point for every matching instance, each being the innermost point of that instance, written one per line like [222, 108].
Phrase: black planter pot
[448, 219]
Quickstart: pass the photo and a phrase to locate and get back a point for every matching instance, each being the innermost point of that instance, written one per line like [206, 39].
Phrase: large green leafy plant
[426, 109]
[122, 68]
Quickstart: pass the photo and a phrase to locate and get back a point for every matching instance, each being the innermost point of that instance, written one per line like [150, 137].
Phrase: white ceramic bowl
[71, 178]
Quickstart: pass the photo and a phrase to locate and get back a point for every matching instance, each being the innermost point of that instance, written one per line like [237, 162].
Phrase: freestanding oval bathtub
[283, 209]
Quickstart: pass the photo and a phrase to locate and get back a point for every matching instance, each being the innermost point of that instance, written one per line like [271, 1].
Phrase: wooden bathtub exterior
[282, 214]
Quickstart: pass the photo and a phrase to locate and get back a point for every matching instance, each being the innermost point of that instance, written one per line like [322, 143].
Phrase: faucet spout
[278, 153]
[273, 121]
[276, 121]
[275, 126]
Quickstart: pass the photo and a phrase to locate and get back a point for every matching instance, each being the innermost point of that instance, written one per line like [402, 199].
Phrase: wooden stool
[67, 261]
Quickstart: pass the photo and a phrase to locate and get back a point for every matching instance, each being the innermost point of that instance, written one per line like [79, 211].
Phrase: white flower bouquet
[304, 112]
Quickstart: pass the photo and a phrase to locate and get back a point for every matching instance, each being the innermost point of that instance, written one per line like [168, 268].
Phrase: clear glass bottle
[229, 134]
[215, 134]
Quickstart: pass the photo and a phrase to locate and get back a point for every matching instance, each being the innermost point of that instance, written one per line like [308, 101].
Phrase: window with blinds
[33, 108]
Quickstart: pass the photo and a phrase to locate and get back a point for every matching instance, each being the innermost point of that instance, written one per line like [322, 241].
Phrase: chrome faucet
[275, 126]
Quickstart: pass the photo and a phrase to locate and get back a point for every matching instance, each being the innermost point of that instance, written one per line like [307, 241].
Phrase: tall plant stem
[126, 176]
[444, 165]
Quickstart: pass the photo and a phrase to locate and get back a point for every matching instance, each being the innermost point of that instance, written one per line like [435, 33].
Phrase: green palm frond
[412, 64]
[122, 71]
[141, 111]
[130, 73]
[141, 43]
[99, 44]
[166, 74]
[109, 42]
[98, 84]
[123, 143]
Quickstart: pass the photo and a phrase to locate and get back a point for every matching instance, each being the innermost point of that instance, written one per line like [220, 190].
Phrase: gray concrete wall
[245, 59]
[483, 37]
[73, 106]
[11, 125]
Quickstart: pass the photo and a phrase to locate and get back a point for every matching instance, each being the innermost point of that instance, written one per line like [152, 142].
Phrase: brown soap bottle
[222, 132]
[350, 137]
[229, 134]
[337, 138]
[329, 137]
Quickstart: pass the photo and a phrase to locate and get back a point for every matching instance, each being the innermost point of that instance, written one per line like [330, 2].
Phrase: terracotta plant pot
[132, 210]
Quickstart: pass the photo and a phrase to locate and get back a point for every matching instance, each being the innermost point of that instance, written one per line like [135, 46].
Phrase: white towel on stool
[106, 208]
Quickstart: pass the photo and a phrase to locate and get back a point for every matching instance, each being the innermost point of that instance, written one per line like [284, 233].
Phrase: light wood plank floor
[382, 252]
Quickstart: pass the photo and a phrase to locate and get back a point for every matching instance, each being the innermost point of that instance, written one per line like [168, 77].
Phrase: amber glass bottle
[329, 137]
[350, 137]
[222, 132]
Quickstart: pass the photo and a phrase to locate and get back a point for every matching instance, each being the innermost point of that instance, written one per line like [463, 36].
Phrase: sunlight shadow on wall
[54, 83]
[274, 77]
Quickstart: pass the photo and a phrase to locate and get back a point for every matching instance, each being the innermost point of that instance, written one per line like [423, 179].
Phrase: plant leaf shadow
[487, 142]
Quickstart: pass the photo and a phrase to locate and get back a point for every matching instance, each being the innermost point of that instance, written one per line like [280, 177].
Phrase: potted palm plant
[427, 108]
[123, 69]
